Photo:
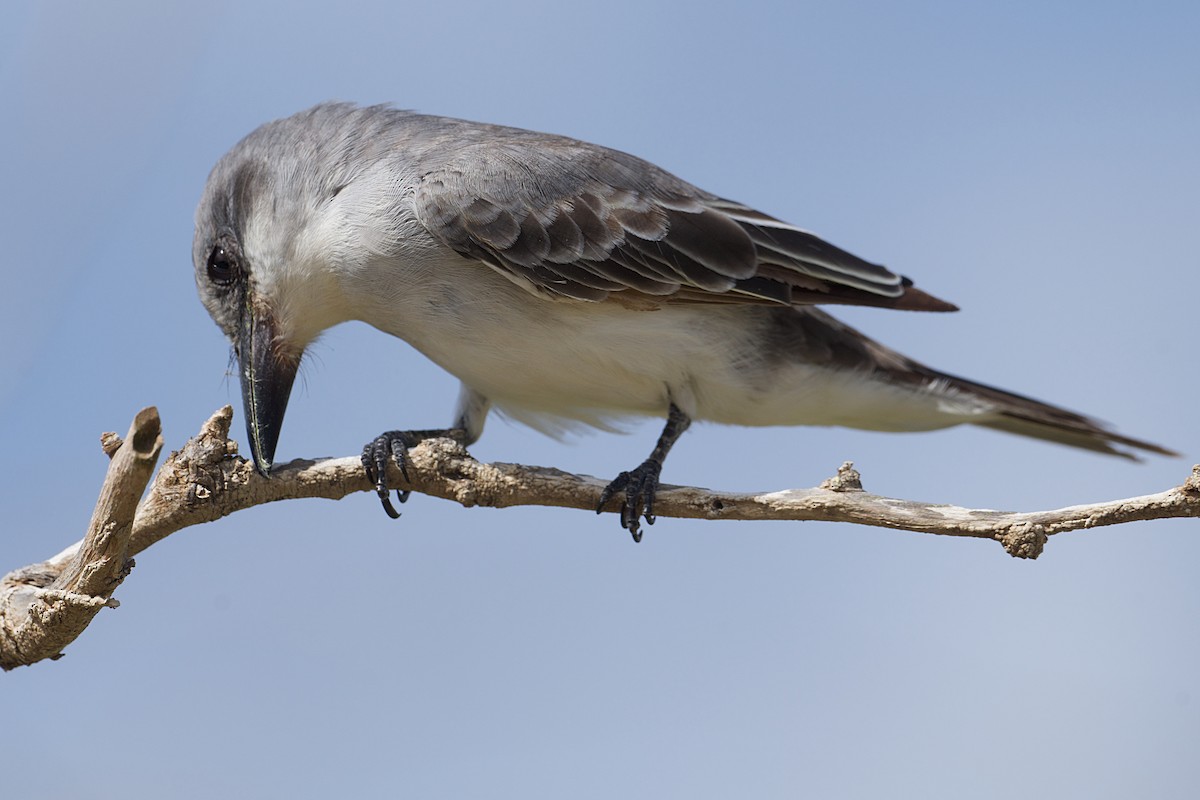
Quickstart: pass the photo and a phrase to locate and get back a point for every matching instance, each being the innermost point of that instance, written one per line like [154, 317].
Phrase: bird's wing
[567, 219]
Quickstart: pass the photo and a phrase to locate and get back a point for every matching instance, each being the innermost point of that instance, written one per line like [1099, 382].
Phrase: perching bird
[560, 282]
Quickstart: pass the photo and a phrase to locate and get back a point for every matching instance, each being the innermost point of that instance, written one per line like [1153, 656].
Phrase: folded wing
[566, 219]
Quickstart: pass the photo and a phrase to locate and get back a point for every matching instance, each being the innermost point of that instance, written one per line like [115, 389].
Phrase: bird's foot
[640, 486]
[375, 455]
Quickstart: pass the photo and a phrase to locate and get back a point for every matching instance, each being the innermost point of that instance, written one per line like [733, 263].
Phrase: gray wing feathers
[568, 219]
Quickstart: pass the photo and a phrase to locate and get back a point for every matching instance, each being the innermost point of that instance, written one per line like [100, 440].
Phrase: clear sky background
[1034, 162]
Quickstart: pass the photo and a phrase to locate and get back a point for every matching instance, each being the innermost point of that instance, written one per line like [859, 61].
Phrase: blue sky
[1035, 163]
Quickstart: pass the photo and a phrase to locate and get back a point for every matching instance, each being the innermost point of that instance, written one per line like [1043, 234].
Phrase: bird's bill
[267, 375]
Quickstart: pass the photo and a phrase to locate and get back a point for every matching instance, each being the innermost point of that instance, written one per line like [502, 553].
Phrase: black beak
[267, 377]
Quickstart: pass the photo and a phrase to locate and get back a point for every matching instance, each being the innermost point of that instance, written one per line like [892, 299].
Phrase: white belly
[533, 357]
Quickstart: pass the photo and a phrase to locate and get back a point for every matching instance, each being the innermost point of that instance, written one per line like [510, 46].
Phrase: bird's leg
[395, 445]
[641, 483]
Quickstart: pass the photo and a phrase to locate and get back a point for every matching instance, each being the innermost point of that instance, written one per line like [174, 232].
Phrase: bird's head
[263, 267]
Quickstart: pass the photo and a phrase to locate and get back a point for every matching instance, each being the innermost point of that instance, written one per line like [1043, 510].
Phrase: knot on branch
[448, 461]
[1192, 484]
[847, 479]
[205, 466]
[110, 443]
[1024, 540]
[61, 597]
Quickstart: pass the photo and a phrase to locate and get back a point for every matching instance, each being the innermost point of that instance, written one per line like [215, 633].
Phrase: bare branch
[207, 480]
[45, 606]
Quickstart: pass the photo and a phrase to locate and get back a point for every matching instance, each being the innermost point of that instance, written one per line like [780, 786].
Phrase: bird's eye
[222, 266]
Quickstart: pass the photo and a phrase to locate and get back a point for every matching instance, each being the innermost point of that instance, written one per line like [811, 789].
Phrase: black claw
[375, 455]
[640, 487]
[618, 483]
[388, 507]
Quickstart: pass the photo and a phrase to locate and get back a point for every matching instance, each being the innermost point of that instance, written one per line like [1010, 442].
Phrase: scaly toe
[390, 445]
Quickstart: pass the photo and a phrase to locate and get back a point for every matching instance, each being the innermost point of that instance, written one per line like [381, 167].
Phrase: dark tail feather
[849, 349]
[1028, 417]
[1090, 435]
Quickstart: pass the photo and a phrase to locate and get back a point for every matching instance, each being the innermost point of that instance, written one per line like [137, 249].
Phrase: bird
[564, 284]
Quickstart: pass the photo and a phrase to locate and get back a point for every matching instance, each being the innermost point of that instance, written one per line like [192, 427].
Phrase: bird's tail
[1016, 413]
[823, 339]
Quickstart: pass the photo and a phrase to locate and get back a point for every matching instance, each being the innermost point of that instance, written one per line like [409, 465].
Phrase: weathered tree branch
[43, 607]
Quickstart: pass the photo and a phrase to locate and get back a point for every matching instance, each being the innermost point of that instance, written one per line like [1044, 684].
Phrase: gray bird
[561, 282]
